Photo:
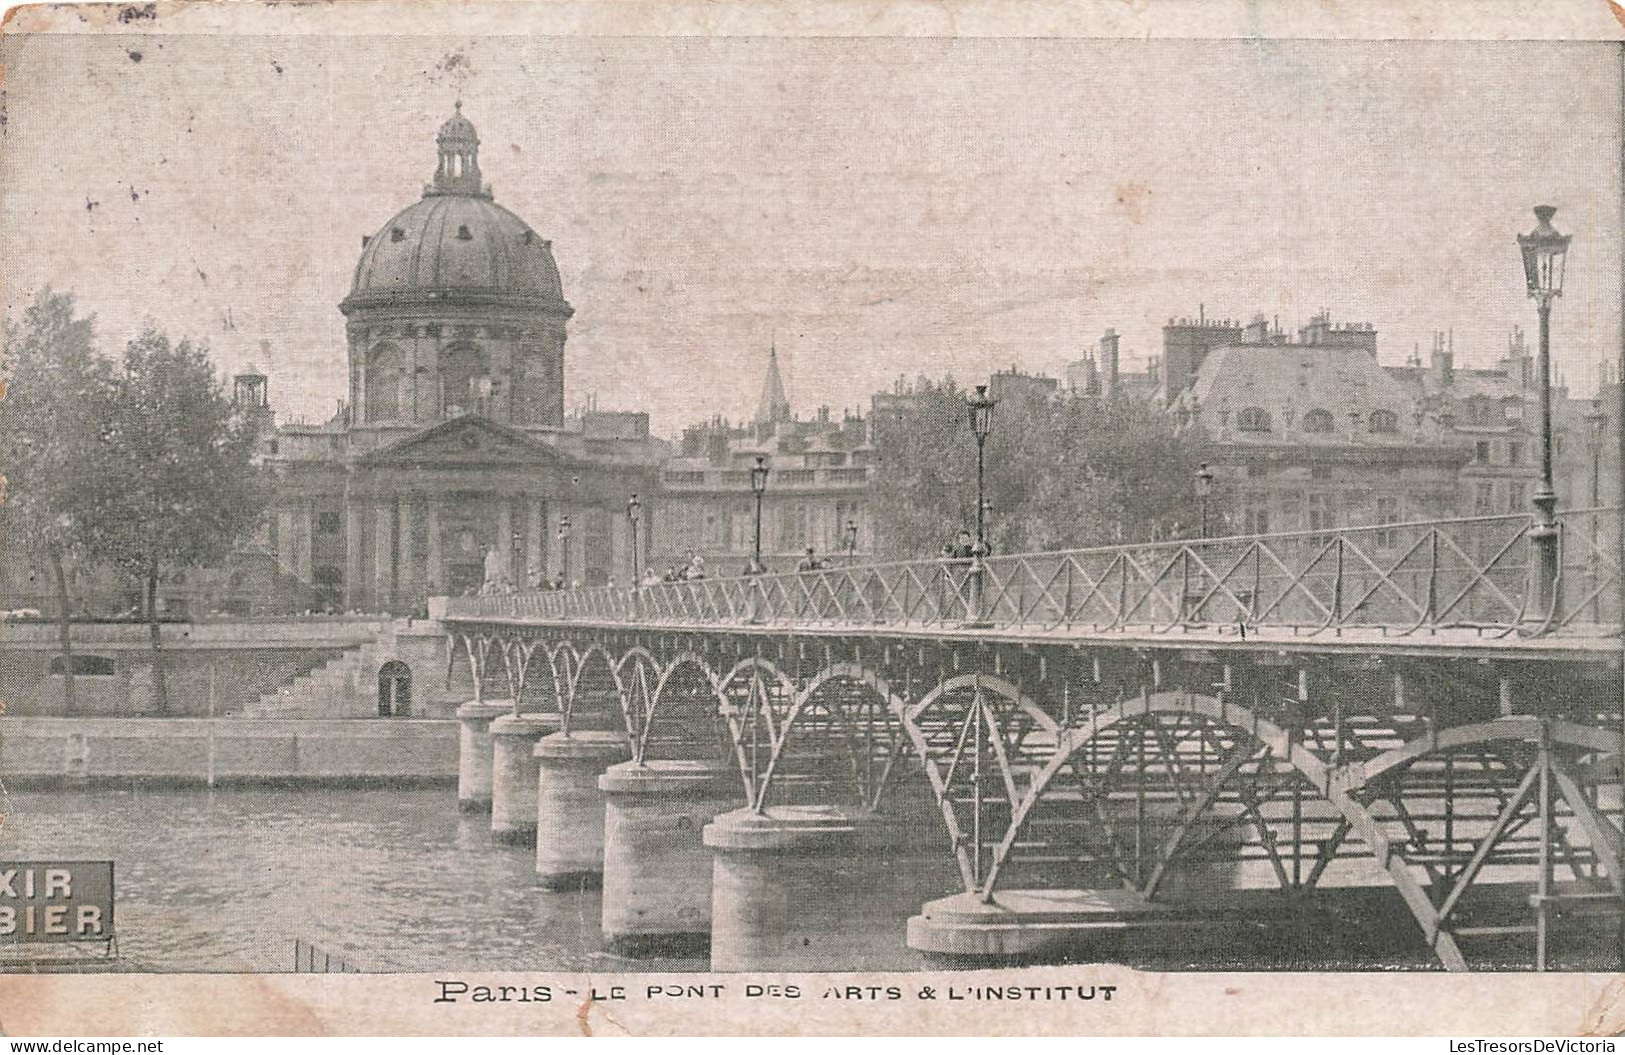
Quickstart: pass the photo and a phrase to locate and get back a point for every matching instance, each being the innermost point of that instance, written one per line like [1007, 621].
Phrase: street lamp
[1544, 254]
[980, 407]
[1596, 426]
[1204, 490]
[758, 485]
[634, 513]
[851, 541]
[564, 548]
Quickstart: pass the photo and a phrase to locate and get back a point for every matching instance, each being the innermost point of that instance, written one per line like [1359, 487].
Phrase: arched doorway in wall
[394, 690]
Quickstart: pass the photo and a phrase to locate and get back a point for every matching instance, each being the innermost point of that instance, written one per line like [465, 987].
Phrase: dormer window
[396, 234]
[463, 234]
[1318, 420]
[1253, 419]
[1384, 421]
[529, 237]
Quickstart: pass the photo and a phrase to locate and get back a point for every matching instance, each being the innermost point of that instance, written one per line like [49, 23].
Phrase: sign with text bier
[55, 901]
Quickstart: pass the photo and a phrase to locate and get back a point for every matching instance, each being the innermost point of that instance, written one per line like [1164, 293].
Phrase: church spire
[774, 405]
[459, 169]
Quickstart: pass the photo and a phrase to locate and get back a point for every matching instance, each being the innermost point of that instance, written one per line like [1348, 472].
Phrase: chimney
[1108, 363]
[1444, 359]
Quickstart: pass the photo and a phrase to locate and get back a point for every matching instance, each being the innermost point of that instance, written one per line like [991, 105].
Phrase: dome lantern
[459, 168]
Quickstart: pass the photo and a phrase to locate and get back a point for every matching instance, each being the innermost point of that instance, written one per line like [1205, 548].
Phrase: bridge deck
[1594, 644]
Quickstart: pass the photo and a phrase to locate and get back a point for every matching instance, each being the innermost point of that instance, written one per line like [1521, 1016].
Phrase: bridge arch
[1340, 787]
[578, 665]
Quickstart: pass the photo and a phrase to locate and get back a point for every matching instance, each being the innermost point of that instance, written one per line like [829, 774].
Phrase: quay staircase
[343, 687]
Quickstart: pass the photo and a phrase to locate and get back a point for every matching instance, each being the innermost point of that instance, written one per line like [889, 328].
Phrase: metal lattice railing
[1479, 573]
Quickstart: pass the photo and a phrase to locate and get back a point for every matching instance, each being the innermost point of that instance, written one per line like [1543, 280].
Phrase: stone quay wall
[220, 668]
[53, 751]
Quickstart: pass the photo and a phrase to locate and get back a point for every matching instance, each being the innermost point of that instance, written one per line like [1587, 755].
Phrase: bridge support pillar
[570, 808]
[657, 872]
[474, 752]
[772, 874]
[514, 774]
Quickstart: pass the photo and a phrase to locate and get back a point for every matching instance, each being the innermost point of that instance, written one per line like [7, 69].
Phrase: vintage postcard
[883, 518]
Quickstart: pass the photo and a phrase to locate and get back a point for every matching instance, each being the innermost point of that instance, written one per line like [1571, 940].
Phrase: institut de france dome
[452, 456]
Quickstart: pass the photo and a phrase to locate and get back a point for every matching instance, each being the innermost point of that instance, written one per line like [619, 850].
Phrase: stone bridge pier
[657, 895]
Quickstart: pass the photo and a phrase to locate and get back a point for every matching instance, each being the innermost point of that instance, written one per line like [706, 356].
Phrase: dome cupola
[456, 306]
[459, 171]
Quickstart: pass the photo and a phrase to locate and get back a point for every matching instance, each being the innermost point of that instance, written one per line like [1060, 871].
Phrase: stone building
[1307, 433]
[819, 472]
[1493, 413]
[1312, 431]
[452, 461]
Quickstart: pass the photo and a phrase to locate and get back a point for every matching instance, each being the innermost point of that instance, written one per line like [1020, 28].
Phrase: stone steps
[342, 687]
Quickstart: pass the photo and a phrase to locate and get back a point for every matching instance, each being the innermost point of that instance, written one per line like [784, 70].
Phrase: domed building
[452, 464]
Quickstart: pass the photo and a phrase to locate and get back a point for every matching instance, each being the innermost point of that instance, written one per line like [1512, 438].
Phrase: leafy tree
[1062, 471]
[54, 382]
[174, 483]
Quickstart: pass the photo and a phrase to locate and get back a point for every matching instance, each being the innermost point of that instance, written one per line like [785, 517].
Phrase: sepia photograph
[485, 497]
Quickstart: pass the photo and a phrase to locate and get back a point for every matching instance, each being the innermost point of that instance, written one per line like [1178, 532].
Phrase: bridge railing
[1403, 578]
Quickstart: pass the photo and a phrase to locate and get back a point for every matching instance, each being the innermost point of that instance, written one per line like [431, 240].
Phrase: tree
[174, 483]
[1062, 471]
[54, 382]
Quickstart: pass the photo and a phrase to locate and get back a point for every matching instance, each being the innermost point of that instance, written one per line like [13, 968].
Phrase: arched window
[384, 382]
[1253, 419]
[1384, 421]
[1318, 420]
[465, 381]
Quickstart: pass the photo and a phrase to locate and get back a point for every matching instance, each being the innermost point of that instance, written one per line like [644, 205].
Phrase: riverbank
[225, 751]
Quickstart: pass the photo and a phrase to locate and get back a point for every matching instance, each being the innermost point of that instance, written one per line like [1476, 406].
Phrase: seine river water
[393, 880]
[399, 880]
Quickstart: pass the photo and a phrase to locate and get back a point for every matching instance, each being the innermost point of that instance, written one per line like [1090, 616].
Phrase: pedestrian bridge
[1126, 736]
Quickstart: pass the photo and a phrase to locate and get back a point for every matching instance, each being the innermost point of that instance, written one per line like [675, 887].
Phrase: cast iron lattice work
[1295, 716]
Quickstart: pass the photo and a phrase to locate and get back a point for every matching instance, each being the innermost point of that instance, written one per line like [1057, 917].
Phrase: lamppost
[1596, 426]
[980, 407]
[758, 485]
[564, 548]
[1204, 490]
[1544, 254]
[851, 541]
[634, 513]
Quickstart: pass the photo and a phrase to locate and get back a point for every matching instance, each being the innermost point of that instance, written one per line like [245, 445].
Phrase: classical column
[620, 549]
[287, 546]
[535, 525]
[434, 578]
[304, 514]
[383, 554]
[505, 537]
[353, 565]
[406, 571]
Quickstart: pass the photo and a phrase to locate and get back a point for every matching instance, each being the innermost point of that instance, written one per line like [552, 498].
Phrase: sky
[874, 207]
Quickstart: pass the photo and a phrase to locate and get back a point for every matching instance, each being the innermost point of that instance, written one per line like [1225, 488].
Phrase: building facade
[452, 466]
[818, 477]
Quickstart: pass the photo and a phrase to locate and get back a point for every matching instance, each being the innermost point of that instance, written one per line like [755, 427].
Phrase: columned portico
[354, 575]
[535, 528]
[383, 553]
[434, 576]
[407, 589]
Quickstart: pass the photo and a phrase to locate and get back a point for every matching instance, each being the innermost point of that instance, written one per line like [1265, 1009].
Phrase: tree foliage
[173, 485]
[1061, 471]
[55, 380]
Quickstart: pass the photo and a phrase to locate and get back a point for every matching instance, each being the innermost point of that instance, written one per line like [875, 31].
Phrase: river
[392, 880]
[399, 880]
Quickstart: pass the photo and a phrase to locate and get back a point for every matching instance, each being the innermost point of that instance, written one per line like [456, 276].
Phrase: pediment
[466, 441]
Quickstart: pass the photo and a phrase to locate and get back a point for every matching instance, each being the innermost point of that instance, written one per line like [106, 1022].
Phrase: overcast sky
[884, 207]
